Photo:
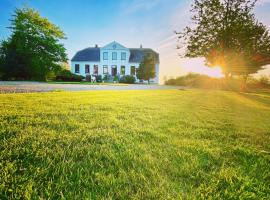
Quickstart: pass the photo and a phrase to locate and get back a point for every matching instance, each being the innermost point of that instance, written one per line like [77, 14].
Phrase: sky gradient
[130, 22]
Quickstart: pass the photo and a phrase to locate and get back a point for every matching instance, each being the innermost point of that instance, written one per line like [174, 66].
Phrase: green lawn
[168, 144]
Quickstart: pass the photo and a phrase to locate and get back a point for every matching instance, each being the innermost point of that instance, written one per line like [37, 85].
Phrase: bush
[88, 78]
[116, 78]
[108, 78]
[200, 81]
[66, 75]
[99, 78]
[50, 76]
[264, 81]
[127, 79]
[105, 78]
[235, 83]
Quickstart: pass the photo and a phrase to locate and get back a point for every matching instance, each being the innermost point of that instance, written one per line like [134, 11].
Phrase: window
[114, 55]
[105, 55]
[87, 69]
[105, 69]
[122, 70]
[77, 68]
[95, 69]
[132, 70]
[123, 56]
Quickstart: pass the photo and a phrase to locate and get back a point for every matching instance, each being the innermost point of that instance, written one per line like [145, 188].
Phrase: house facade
[113, 59]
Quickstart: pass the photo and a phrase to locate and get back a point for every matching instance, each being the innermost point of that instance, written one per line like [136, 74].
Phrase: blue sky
[129, 22]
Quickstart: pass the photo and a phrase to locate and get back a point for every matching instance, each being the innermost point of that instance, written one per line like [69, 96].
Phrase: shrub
[199, 81]
[235, 83]
[116, 78]
[108, 78]
[105, 78]
[264, 81]
[88, 78]
[50, 76]
[66, 75]
[99, 78]
[127, 79]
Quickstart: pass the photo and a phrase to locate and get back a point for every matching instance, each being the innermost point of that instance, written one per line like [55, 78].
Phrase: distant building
[113, 59]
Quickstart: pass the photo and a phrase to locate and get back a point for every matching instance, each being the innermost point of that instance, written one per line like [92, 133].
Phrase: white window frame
[105, 67]
[123, 55]
[114, 53]
[105, 57]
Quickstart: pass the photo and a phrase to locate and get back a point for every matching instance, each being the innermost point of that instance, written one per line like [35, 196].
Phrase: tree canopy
[147, 68]
[33, 50]
[226, 34]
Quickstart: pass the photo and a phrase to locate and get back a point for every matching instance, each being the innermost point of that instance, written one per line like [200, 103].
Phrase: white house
[112, 59]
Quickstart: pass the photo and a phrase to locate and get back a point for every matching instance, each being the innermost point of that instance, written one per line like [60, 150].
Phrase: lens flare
[215, 72]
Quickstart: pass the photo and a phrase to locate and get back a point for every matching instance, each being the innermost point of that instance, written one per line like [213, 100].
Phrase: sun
[197, 65]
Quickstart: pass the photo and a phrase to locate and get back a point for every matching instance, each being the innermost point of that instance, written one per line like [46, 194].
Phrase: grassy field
[168, 144]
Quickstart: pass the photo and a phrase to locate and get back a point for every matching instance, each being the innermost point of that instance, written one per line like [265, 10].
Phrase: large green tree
[226, 33]
[147, 68]
[33, 50]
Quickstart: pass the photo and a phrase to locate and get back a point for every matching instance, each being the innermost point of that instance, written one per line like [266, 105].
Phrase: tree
[147, 68]
[226, 34]
[33, 50]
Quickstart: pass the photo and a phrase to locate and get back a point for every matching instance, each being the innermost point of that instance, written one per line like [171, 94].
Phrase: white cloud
[139, 5]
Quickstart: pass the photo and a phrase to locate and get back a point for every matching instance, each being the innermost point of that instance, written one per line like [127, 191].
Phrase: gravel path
[25, 86]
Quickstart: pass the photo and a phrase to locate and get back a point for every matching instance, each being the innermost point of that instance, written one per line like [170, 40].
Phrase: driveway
[25, 86]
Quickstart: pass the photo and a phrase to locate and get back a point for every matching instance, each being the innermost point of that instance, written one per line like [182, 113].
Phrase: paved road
[24, 86]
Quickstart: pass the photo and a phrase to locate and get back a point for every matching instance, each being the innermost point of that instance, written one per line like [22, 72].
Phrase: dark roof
[93, 54]
[88, 54]
[137, 54]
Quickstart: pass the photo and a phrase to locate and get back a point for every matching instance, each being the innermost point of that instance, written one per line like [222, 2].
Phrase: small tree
[147, 68]
[34, 48]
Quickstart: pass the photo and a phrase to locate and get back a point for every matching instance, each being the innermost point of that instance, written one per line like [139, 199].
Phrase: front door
[114, 70]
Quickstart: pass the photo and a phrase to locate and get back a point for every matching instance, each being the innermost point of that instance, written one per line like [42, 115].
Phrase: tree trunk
[227, 76]
[244, 84]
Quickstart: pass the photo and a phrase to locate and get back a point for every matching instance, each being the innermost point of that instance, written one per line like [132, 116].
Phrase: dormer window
[105, 55]
[123, 56]
[114, 55]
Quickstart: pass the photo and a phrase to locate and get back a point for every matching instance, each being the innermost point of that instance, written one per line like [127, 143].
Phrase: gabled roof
[114, 45]
[88, 54]
[92, 54]
[137, 54]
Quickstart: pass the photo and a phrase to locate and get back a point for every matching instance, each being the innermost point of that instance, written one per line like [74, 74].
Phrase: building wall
[82, 67]
[100, 68]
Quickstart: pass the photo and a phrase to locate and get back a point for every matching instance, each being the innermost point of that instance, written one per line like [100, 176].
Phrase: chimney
[141, 46]
[96, 46]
